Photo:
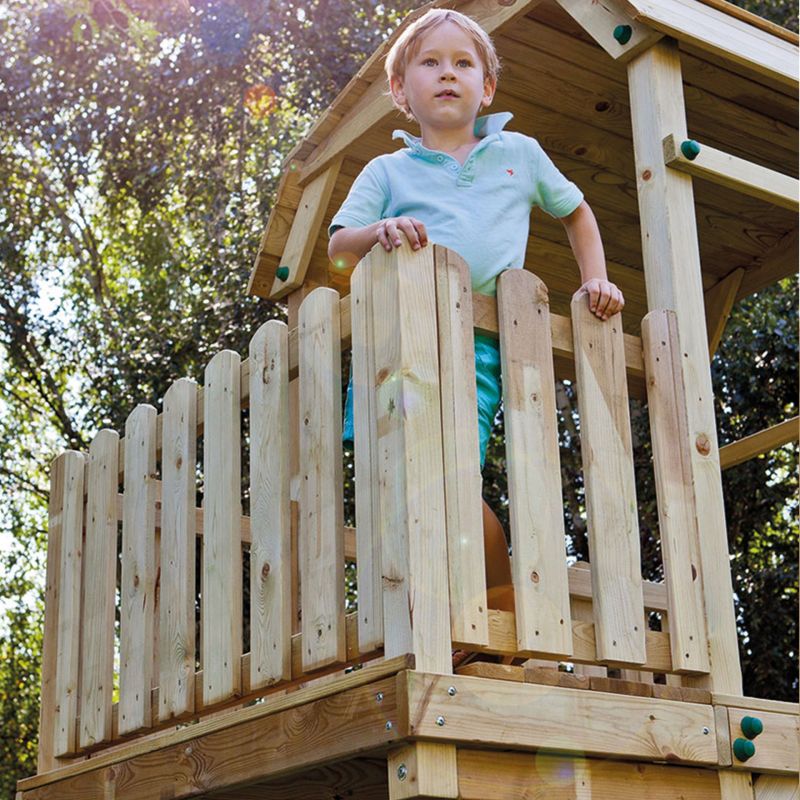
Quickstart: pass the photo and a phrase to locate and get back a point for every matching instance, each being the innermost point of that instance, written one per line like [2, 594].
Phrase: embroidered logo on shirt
[510, 171]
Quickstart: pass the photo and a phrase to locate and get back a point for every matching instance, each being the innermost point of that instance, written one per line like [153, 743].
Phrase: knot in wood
[265, 571]
[703, 444]
[535, 576]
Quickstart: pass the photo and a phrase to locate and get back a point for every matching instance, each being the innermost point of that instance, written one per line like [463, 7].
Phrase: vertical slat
[321, 511]
[176, 644]
[58, 708]
[270, 548]
[222, 549]
[677, 516]
[137, 595]
[582, 612]
[412, 504]
[541, 587]
[99, 590]
[611, 511]
[69, 604]
[365, 419]
[462, 473]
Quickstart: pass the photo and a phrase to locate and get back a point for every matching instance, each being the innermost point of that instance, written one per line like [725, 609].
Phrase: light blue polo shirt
[481, 209]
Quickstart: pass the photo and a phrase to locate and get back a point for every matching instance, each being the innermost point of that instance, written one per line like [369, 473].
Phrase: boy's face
[444, 84]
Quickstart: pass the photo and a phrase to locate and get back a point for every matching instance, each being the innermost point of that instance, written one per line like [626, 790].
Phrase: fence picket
[321, 513]
[137, 593]
[176, 642]
[270, 548]
[611, 511]
[677, 513]
[99, 591]
[462, 473]
[222, 553]
[365, 418]
[541, 587]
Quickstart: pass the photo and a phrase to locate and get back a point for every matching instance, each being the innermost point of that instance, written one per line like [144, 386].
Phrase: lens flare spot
[260, 100]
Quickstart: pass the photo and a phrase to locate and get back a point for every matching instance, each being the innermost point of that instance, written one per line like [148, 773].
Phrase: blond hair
[408, 42]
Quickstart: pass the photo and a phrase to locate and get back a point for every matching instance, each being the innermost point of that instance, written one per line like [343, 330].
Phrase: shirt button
[440, 159]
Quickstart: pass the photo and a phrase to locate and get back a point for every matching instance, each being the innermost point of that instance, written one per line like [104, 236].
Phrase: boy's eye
[429, 61]
[464, 62]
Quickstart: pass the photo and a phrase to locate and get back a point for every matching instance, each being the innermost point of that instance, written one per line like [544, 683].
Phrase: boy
[471, 186]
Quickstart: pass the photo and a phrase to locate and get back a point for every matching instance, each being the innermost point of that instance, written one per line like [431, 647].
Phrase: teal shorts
[487, 380]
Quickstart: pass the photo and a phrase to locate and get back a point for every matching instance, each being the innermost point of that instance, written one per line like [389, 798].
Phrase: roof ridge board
[753, 19]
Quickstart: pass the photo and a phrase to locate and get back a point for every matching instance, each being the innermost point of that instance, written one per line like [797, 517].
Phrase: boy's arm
[605, 298]
[349, 245]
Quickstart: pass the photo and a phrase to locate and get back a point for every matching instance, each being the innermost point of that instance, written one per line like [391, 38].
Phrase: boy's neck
[449, 141]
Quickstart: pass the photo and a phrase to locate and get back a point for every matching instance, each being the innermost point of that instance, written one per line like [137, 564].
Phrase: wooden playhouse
[197, 695]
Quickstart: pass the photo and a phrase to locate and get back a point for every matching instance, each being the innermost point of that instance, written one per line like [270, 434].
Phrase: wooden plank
[412, 503]
[583, 612]
[176, 647]
[462, 469]
[61, 642]
[777, 747]
[776, 787]
[69, 604]
[295, 733]
[492, 775]
[733, 39]
[759, 443]
[138, 589]
[221, 590]
[272, 705]
[677, 512]
[526, 715]
[673, 278]
[607, 454]
[99, 589]
[365, 422]
[270, 549]
[719, 300]
[423, 770]
[778, 262]
[755, 704]
[321, 511]
[735, 173]
[534, 477]
[305, 229]
[601, 19]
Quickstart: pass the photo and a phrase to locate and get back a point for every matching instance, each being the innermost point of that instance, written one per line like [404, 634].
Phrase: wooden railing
[418, 540]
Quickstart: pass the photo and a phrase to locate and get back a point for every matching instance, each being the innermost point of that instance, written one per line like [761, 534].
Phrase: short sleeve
[551, 190]
[366, 201]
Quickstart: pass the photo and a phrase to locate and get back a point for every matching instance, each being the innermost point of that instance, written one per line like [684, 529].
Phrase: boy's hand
[605, 298]
[389, 232]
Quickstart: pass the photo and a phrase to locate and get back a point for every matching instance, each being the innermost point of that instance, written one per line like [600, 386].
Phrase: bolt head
[451, 690]
[440, 720]
[388, 725]
[706, 731]
[379, 697]
[402, 772]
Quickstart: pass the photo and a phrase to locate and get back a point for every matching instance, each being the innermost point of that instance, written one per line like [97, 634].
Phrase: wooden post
[672, 274]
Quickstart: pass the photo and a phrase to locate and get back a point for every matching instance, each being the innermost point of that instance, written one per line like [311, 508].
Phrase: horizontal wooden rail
[758, 443]
[734, 173]
[485, 321]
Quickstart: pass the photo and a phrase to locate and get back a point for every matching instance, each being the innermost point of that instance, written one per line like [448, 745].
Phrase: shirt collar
[484, 128]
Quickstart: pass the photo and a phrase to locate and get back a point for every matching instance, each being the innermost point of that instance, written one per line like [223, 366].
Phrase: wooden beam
[754, 704]
[600, 21]
[493, 775]
[423, 771]
[672, 274]
[734, 173]
[462, 709]
[776, 787]
[758, 443]
[719, 301]
[778, 262]
[777, 746]
[356, 686]
[713, 30]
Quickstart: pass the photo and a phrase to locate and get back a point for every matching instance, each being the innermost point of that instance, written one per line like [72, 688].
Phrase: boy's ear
[397, 90]
[489, 88]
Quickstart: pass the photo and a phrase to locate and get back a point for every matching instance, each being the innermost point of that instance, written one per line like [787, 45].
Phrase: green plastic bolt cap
[282, 273]
[623, 33]
[690, 149]
[744, 749]
[752, 726]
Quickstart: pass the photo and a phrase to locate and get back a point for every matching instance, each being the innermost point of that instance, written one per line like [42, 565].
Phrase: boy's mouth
[447, 93]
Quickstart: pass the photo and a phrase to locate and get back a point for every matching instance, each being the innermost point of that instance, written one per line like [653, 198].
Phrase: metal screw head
[706, 731]
[379, 697]
[388, 725]
[402, 772]
[451, 690]
[440, 720]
